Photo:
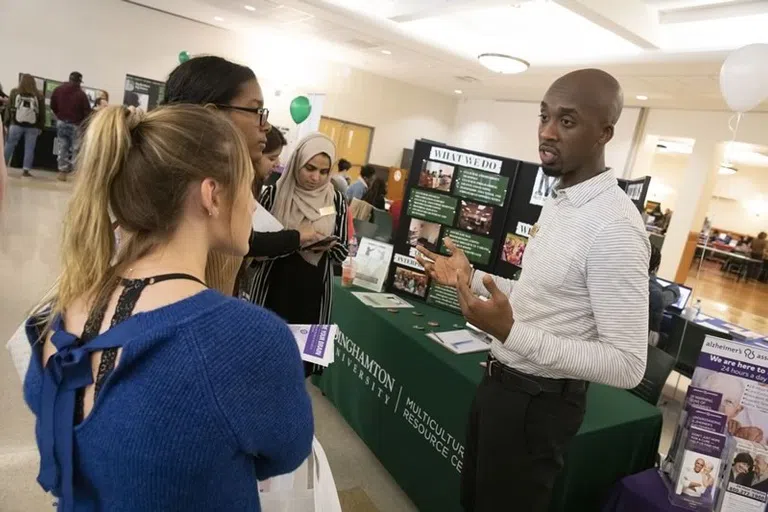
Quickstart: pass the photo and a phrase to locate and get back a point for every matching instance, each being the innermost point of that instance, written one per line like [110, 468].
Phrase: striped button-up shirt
[581, 304]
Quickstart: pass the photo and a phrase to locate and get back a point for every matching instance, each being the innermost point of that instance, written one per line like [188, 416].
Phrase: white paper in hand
[263, 221]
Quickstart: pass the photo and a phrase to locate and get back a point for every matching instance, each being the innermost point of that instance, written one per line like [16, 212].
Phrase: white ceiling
[668, 50]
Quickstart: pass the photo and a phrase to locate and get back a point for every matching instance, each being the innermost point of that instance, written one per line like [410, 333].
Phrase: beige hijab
[296, 207]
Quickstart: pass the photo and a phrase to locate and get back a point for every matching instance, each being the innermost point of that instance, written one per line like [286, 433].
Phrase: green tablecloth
[408, 398]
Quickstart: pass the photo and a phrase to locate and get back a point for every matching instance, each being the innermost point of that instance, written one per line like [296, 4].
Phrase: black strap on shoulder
[129, 296]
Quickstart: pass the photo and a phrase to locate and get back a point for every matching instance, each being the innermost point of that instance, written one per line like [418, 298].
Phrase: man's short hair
[344, 165]
[368, 171]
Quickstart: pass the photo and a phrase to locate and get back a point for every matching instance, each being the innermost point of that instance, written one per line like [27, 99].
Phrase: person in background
[298, 286]
[233, 90]
[578, 314]
[659, 297]
[3, 176]
[26, 116]
[3, 104]
[133, 352]
[376, 194]
[270, 161]
[759, 246]
[358, 189]
[340, 180]
[71, 107]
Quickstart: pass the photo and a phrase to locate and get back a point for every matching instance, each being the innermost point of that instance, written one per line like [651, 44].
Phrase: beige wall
[736, 200]
[114, 38]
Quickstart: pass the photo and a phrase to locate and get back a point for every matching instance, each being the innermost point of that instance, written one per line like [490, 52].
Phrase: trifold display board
[469, 197]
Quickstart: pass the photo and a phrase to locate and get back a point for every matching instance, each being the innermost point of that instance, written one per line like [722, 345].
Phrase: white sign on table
[372, 264]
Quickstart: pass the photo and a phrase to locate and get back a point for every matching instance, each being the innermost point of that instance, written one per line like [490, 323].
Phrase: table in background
[408, 399]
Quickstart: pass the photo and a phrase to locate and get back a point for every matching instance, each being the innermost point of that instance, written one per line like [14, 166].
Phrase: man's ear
[606, 135]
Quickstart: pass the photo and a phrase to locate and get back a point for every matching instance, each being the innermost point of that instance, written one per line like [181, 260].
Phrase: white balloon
[744, 77]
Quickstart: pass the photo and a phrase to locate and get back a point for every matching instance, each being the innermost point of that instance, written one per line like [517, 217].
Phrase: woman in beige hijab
[298, 286]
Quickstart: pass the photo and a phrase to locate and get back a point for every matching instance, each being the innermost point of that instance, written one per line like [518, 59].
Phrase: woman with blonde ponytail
[151, 391]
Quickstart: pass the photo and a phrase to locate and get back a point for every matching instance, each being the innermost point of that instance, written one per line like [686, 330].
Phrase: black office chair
[657, 369]
[689, 347]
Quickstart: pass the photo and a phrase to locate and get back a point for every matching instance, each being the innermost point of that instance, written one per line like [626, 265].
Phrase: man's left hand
[493, 316]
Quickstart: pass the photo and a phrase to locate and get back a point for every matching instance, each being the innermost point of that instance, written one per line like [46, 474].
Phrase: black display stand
[487, 204]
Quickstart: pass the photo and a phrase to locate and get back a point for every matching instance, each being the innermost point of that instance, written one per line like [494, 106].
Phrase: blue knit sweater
[208, 396]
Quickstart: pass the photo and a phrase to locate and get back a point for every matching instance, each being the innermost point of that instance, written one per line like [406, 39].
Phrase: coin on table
[418, 327]
[433, 324]
[418, 313]
[393, 310]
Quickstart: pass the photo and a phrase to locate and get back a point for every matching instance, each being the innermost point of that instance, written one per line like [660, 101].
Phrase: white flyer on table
[372, 263]
[461, 341]
[381, 300]
[316, 342]
[263, 221]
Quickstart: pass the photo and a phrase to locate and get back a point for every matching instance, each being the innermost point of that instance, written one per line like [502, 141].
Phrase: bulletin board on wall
[143, 93]
[457, 193]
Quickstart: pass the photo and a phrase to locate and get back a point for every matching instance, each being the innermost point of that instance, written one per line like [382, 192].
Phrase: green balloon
[183, 57]
[300, 109]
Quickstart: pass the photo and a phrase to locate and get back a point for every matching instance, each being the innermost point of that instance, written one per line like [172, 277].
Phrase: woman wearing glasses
[303, 197]
[234, 90]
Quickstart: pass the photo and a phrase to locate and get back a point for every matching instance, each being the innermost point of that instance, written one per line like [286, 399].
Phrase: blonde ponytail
[139, 167]
[88, 241]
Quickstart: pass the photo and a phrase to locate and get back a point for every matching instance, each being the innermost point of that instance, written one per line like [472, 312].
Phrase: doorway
[353, 142]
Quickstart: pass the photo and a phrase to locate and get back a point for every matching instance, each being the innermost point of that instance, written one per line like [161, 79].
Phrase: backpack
[26, 109]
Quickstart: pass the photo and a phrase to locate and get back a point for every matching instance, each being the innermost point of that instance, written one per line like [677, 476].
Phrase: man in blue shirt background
[358, 189]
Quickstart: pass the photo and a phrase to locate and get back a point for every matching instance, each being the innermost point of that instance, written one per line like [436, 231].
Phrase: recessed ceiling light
[249, 8]
[386, 52]
[641, 97]
[504, 64]
[218, 18]
[458, 91]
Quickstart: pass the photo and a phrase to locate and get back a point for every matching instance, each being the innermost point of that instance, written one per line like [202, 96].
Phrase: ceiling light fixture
[249, 8]
[218, 18]
[641, 97]
[386, 52]
[727, 169]
[458, 91]
[504, 64]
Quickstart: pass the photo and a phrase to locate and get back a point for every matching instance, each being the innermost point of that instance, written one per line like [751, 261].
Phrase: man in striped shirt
[578, 314]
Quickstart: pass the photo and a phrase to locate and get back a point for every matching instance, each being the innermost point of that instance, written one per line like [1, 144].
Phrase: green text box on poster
[443, 296]
[477, 248]
[481, 186]
[431, 206]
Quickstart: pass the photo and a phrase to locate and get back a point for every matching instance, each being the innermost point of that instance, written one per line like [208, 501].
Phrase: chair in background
[383, 221]
[657, 369]
[687, 338]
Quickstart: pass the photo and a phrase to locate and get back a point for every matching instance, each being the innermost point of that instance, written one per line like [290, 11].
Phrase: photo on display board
[136, 99]
[410, 282]
[542, 188]
[476, 217]
[423, 233]
[513, 250]
[436, 176]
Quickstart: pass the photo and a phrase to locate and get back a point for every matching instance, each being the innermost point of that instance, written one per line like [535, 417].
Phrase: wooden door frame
[370, 141]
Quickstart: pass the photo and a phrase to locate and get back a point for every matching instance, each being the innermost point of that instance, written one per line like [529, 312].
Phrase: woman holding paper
[304, 197]
[233, 89]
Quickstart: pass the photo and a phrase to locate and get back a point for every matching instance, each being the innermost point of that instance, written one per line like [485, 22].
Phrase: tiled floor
[29, 244]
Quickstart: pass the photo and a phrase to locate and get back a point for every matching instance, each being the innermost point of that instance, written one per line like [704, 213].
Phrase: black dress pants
[519, 429]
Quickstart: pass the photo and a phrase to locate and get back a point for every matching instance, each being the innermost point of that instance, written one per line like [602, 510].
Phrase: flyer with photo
[696, 482]
[745, 484]
[316, 342]
[372, 264]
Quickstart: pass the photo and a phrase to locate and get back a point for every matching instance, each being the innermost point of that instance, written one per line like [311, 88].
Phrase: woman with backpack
[25, 113]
